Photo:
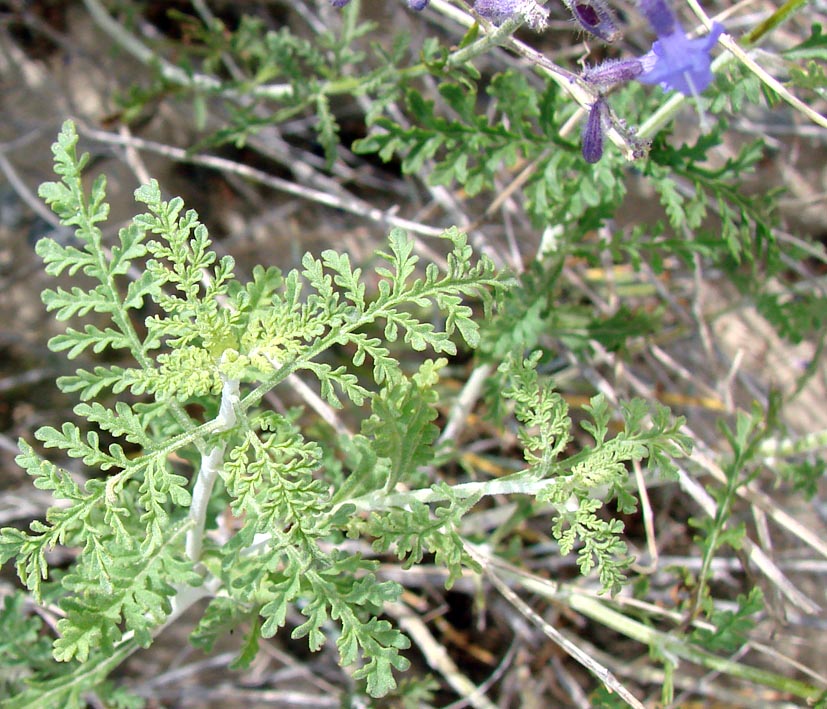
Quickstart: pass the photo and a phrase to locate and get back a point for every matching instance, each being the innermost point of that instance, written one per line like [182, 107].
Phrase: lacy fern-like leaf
[578, 485]
[402, 423]
[138, 594]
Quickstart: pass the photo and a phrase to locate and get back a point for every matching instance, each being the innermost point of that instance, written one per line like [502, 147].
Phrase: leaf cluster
[581, 484]
[740, 468]
[812, 50]
[187, 331]
[538, 308]
[455, 144]
[726, 224]
[276, 75]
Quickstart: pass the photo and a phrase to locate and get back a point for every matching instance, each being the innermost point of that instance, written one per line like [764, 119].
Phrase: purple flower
[595, 17]
[676, 62]
[498, 11]
[593, 131]
[418, 4]
[339, 3]
[679, 63]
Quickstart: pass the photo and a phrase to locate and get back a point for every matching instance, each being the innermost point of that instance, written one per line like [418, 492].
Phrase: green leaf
[221, 616]
[78, 302]
[77, 342]
[731, 627]
[814, 47]
[70, 439]
[331, 379]
[811, 76]
[47, 476]
[131, 247]
[284, 591]
[402, 426]
[122, 422]
[88, 384]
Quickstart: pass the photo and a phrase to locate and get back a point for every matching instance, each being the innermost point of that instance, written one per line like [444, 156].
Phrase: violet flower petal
[679, 63]
[660, 16]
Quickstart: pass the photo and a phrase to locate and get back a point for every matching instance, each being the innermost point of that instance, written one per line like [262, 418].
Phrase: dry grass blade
[606, 677]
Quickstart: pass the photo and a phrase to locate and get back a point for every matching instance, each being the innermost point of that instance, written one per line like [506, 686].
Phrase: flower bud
[593, 132]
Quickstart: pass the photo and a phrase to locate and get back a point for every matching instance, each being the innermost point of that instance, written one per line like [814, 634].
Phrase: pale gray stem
[513, 485]
[210, 465]
[230, 396]
[200, 500]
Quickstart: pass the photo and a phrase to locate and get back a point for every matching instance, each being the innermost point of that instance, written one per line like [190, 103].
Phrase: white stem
[513, 485]
[230, 396]
[200, 501]
[210, 464]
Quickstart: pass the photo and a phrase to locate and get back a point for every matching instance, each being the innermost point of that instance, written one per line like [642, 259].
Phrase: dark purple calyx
[595, 17]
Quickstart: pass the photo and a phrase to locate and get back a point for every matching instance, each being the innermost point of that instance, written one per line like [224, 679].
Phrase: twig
[565, 79]
[133, 157]
[570, 684]
[648, 523]
[755, 554]
[701, 456]
[672, 105]
[22, 190]
[498, 672]
[319, 405]
[729, 43]
[170, 72]
[466, 401]
[353, 205]
[600, 612]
